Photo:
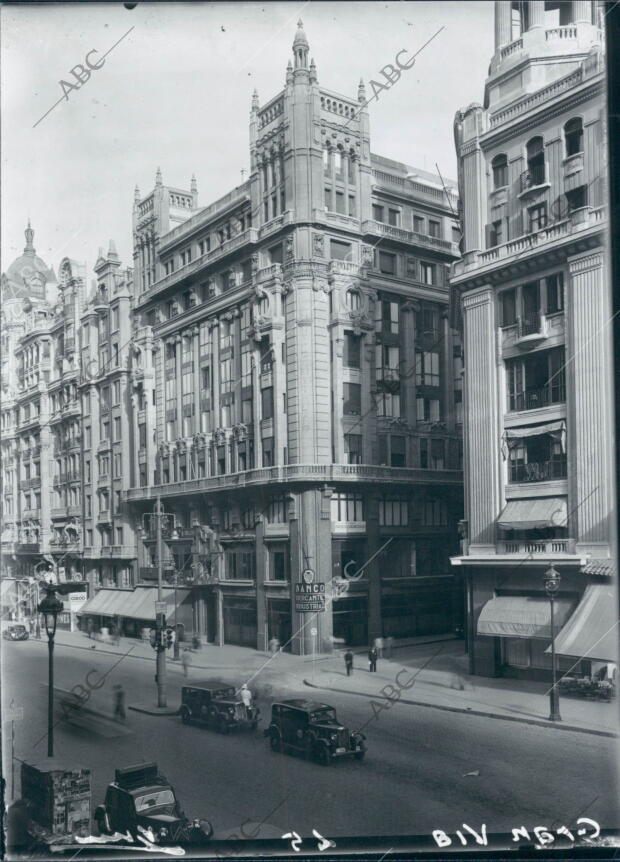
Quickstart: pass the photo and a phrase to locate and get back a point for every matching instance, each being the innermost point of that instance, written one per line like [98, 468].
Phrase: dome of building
[301, 40]
[27, 276]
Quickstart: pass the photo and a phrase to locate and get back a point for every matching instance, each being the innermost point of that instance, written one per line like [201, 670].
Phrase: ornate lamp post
[50, 607]
[552, 585]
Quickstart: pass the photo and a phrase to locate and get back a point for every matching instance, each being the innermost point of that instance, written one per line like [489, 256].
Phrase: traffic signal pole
[160, 676]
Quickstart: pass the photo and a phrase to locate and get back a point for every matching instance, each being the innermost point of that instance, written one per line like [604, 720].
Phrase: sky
[175, 92]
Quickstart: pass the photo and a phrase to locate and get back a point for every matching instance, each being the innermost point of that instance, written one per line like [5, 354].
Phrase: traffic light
[170, 637]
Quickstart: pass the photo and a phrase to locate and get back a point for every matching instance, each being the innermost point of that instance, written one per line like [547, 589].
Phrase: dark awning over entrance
[534, 513]
[139, 604]
[592, 631]
[522, 617]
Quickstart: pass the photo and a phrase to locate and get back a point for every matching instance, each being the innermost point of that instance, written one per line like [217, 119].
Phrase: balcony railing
[537, 546]
[533, 177]
[538, 471]
[532, 399]
[531, 324]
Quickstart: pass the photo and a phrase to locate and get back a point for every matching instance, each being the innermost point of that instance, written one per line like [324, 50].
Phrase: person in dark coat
[119, 703]
[348, 662]
[372, 659]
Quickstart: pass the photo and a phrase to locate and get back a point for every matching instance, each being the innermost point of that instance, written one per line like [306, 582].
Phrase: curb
[154, 710]
[535, 721]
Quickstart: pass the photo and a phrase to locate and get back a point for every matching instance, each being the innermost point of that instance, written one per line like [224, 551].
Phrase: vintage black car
[15, 633]
[140, 796]
[313, 730]
[217, 705]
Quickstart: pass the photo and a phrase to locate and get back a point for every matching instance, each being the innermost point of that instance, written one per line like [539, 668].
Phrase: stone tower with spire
[163, 209]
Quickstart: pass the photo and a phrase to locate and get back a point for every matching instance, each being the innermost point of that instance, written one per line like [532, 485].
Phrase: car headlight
[196, 823]
[231, 710]
[334, 737]
[163, 832]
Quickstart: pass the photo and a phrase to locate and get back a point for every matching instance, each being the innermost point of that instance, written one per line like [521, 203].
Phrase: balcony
[354, 473]
[533, 180]
[401, 235]
[31, 514]
[537, 546]
[26, 484]
[532, 399]
[538, 471]
[104, 517]
[122, 551]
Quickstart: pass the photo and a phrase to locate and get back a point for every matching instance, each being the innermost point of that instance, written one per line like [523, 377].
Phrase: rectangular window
[427, 273]
[347, 508]
[276, 254]
[339, 250]
[328, 198]
[508, 301]
[117, 392]
[279, 565]
[240, 565]
[537, 217]
[353, 448]
[555, 293]
[277, 511]
[389, 316]
[118, 465]
[268, 453]
[352, 206]
[424, 453]
[351, 353]
[438, 454]
[427, 368]
[434, 229]
[577, 198]
[267, 403]
[397, 451]
[393, 513]
[427, 409]
[394, 217]
[387, 263]
[117, 428]
[340, 208]
[338, 163]
[418, 224]
[388, 404]
[377, 212]
[496, 233]
[352, 399]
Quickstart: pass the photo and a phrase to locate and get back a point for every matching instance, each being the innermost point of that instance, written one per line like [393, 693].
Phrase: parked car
[141, 796]
[312, 729]
[15, 633]
[217, 705]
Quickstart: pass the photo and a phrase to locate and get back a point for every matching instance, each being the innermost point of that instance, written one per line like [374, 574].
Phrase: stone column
[590, 420]
[482, 419]
[261, 592]
[337, 397]
[536, 14]
[581, 12]
[503, 23]
[447, 374]
[179, 383]
[407, 369]
[215, 372]
[373, 572]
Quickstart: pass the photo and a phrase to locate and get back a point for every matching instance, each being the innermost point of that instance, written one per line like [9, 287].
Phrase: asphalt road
[413, 780]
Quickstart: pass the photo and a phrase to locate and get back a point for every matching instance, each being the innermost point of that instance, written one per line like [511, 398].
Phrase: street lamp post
[50, 607]
[552, 585]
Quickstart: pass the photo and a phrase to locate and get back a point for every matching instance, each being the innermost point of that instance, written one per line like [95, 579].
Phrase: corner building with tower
[296, 384]
[535, 290]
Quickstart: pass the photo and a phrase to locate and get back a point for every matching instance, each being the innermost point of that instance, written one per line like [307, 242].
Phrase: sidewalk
[441, 681]
[439, 664]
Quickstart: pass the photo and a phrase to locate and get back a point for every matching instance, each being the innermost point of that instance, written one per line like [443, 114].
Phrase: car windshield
[155, 800]
[224, 692]
[327, 714]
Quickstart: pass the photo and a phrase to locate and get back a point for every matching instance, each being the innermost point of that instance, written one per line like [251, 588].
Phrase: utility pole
[160, 676]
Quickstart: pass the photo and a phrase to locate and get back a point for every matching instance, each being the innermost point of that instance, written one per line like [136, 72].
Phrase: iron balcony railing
[531, 399]
[538, 471]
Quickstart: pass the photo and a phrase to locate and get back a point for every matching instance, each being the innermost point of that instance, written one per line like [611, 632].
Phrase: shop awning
[522, 617]
[592, 631]
[533, 513]
[512, 436]
[139, 604]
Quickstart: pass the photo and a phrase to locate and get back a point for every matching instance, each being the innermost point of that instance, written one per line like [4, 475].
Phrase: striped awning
[533, 513]
[138, 604]
[522, 617]
[592, 631]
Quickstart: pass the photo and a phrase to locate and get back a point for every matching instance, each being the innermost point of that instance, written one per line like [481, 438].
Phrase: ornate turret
[29, 233]
[136, 195]
[158, 179]
[300, 47]
[193, 186]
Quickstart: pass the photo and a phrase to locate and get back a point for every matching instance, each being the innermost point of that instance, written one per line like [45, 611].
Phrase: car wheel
[222, 725]
[359, 755]
[185, 715]
[275, 740]
[323, 756]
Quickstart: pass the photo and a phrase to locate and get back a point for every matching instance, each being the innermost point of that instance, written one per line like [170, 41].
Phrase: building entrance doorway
[279, 622]
[350, 621]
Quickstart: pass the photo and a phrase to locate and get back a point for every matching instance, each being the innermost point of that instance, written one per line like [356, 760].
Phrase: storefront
[279, 622]
[350, 621]
[412, 610]
[240, 622]
[132, 612]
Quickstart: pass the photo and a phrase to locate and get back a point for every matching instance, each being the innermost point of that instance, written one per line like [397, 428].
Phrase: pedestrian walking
[389, 646]
[274, 645]
[119, 703]
[186, 660]
[31, 625]
[246, 697]
[372, 659]
[89, 627]
[348, 662]
[379, 646]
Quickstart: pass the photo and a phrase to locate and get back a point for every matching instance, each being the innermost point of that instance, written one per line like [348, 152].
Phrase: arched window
[500, 171]
[536, 161]
[573, 136]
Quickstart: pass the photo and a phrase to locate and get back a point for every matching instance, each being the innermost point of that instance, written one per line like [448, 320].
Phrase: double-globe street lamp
[552, 585]
[50, 607]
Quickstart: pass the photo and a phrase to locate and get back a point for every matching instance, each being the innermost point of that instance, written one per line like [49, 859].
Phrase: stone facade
[536, 304]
